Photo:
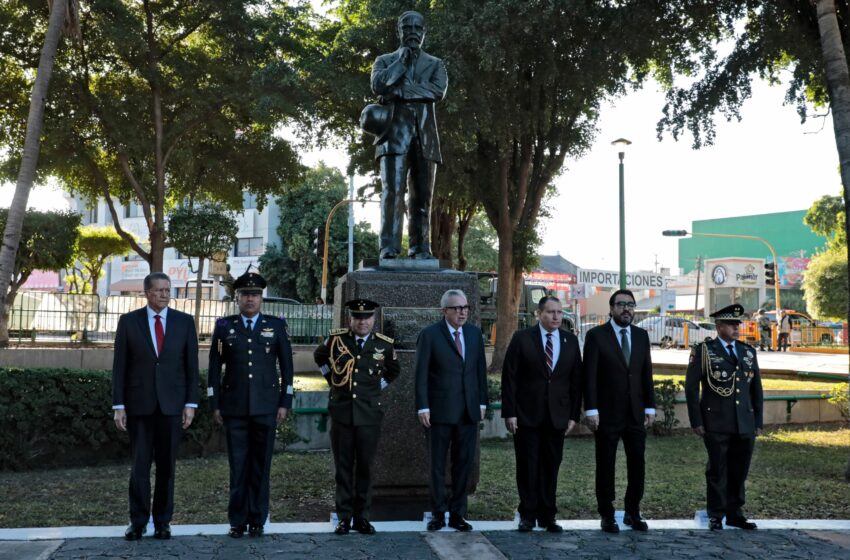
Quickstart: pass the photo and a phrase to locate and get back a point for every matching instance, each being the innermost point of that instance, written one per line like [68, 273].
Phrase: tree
[47, 243]
[825, 284]
[201, 231]
[165, 101]
[826, 218]
[482, 245]
[63, 12]
[95, 246]
[294, 270]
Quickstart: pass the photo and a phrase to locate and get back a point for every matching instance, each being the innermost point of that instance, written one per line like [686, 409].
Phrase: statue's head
[411, 29]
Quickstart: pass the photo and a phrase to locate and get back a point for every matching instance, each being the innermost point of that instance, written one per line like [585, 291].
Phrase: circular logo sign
[719, 274]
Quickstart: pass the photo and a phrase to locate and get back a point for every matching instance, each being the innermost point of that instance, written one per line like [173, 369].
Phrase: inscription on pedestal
[404, 323]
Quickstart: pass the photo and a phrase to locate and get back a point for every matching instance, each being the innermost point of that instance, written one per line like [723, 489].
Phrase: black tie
[732, 354]
[360, 343]
[624, 342]
[248, 324]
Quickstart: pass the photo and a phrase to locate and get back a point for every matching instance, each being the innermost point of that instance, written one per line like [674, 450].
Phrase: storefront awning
[136, 285]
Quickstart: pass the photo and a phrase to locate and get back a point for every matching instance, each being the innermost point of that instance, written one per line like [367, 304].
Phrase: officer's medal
[379, 354]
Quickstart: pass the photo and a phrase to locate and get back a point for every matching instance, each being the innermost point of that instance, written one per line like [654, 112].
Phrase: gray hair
[148, 282]
[444, 301]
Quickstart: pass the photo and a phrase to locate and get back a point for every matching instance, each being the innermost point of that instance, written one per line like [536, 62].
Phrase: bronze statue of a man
[404, 122]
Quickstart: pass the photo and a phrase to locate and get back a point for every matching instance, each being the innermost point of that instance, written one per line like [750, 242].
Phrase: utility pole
[696, 295]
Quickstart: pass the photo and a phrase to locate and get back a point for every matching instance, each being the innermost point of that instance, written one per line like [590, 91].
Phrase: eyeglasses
[625, 305]
[459, 308]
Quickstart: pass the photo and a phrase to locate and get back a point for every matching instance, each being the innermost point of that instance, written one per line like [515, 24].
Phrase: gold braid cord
[341, 375]
[715, 375]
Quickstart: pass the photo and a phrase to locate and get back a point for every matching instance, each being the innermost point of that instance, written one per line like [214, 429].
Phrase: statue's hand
[406, 55]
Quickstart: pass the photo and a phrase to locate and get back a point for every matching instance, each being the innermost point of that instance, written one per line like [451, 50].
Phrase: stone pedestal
[410, 301]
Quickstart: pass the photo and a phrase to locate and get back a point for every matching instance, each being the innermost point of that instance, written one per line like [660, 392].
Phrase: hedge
[63, 417]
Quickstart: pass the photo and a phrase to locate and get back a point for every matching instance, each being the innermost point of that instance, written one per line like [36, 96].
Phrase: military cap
[731, 313]
[250, 282]
[361, 307]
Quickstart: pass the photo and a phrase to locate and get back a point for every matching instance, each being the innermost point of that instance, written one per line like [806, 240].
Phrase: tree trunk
[464, 219]
[198, 294]
[442, 228]
[838, 81]
[29, 160]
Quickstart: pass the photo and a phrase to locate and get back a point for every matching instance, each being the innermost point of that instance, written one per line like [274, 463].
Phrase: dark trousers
[726, 472]
[418, 174]
[765, 340]
[782, 341]
[250, 445]
[354, 449]
[634, 444]
[538, 457]
[462, 439]
[153, 439]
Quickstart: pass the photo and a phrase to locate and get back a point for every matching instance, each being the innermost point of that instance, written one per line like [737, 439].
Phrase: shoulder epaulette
[748, 345]
[384, 337]
[336, 332]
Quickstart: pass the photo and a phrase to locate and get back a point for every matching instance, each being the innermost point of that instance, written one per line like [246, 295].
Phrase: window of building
[91, 215]
[249, 247]
[133, 210]
[249, 200]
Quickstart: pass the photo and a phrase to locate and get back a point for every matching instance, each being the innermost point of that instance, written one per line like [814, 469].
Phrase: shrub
[839, 396]
[665, 407]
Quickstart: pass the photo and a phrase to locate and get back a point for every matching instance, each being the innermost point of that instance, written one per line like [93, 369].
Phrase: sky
[768, 162]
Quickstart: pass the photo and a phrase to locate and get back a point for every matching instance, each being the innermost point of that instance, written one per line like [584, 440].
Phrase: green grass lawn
[796, 473]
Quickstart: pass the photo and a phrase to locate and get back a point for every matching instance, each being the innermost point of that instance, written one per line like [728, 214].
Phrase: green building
[785, 231]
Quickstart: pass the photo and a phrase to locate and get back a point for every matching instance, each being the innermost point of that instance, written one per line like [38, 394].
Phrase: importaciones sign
[611, 279]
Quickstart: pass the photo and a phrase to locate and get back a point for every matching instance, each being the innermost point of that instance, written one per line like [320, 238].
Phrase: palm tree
[63, 15]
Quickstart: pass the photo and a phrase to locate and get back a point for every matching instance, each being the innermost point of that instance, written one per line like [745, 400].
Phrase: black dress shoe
[740, 523]
[609, 525]
[135, 532]
[236, 532]
[552, 527]
[255, 530]
[162, 531]
[525, 525]
[458, 523]
[388, 254]
[363, 526]
[343, 527]
[715, 523]
[437, 522]
[636, 522]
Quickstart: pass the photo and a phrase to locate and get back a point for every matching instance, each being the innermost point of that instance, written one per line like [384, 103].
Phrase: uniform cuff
[591, 412]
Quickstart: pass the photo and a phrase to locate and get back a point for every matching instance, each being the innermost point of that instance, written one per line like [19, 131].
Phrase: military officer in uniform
[250, 396]
[725, 407]
[357, 364]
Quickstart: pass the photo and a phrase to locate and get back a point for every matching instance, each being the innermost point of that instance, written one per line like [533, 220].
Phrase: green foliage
[95, 246]
[47, 243]
[294, 270]
[826, 217]
[665, 406]
[825, 284]
[840, 397]
[202, 230]
[482, 245]
[61, 417]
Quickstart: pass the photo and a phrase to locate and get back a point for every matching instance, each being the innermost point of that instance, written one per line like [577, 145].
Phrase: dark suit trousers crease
[154, 438]
[461, 438]
[634, 444]
[250, 446]
[726, 472]
[354, 449]
[417, 173]
[539, 451]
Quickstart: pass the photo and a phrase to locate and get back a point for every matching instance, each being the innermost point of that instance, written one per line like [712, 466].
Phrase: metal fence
[76, 317]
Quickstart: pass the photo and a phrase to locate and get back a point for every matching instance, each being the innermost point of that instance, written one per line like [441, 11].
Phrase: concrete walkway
[775, 539]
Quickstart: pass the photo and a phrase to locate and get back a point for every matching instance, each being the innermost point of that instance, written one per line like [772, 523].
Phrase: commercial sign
[611, 279]
[735, 273]
[791, 270]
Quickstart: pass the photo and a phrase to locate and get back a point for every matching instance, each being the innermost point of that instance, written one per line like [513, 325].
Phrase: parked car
[669, 332]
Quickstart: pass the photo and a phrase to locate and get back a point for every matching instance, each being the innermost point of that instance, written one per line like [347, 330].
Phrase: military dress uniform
[247, 387]
[724, 396]
[356, 375]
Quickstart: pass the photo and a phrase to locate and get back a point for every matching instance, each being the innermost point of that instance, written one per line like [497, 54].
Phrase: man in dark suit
[251, 398]
[451, 398]
[725, 408]
[619, 402]
[409, 81]
[154, 393]
[358, 365]
[541, 402]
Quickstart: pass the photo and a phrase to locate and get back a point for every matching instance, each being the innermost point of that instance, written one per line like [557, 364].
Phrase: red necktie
[159, 333]
[550, 354]
[458, 345]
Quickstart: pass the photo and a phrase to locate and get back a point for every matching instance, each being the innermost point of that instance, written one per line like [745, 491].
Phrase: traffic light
[674, 232]
[769, 274]
[319, 241]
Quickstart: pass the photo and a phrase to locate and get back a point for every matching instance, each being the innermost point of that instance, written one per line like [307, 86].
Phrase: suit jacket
[413, 100]
[141, 380]
[355, 390]
[738, 412]
[243, 371]
[619, 391]
[450, 386]
[528, 393]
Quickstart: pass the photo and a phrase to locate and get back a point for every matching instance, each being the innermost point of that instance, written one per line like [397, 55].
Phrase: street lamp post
[683, 233]
[621, 144]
